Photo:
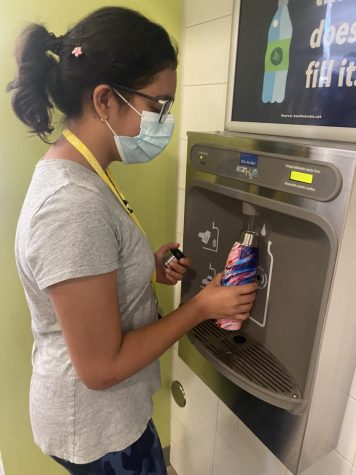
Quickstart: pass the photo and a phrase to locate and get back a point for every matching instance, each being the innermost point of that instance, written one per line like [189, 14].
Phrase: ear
[104, 101]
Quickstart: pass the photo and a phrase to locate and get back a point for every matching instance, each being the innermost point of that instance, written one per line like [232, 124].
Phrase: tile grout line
[342, 456]
[215, 434]
[353, 463]
[206, 84]
[187, 27]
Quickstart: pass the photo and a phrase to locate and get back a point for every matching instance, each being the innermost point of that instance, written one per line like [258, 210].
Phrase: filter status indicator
[301, 177]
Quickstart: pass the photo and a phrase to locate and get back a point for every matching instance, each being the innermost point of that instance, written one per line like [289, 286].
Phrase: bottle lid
[249, 238]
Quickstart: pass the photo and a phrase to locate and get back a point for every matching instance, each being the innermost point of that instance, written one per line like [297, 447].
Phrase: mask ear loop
[127, 102]
[105, 120]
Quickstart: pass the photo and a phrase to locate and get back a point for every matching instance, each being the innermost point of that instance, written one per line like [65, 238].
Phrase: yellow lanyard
[108, 179]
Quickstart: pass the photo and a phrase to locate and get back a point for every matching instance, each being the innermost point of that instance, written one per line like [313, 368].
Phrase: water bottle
[240, 268]
[277, 55]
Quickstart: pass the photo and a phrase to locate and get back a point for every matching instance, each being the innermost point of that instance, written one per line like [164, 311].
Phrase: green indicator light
[301, 177]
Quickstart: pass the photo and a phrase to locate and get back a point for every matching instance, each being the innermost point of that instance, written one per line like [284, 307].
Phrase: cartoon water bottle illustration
[277, 55]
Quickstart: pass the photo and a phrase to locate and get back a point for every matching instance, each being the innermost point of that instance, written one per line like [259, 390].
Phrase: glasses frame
[165, 103]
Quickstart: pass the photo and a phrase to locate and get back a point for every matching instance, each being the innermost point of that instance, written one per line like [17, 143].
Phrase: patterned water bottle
[240, 268]
[277, 55]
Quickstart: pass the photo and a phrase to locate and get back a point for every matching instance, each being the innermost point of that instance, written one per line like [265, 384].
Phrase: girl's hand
[175, 270]
[235, 302]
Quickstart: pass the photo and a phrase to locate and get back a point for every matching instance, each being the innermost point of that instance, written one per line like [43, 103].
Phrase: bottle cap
[249, 238]
[173, 254]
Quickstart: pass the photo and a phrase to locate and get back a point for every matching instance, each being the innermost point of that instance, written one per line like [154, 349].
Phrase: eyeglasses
[166, 104]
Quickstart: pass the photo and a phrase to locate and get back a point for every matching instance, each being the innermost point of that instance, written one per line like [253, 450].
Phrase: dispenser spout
[250, 211]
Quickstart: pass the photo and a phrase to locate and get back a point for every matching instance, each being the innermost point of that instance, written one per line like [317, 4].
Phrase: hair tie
[77, 51]
[54, 44]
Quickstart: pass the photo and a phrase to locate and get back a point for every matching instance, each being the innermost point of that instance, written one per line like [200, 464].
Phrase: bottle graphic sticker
[240, 269]
[277, 55]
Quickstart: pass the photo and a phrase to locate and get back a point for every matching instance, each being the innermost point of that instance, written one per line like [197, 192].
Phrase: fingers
[242, 316]
[240, 293]
[176, 269]
[180, 266]
[165, 248]
[216, 280]
[247, 298]
[173, 276]
[237, 303]
[185, 261]
[171, 280]
[244, 309]
[247, 288]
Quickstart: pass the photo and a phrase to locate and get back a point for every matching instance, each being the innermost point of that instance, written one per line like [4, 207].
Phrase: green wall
[150, 188]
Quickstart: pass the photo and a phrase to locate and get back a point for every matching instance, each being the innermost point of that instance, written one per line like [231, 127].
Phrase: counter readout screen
[301, 177]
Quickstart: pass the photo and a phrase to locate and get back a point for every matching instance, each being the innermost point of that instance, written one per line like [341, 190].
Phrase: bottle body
[240, 269]
[277, 55]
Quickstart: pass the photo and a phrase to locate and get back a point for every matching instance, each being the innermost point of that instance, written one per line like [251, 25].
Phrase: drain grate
[246, 360]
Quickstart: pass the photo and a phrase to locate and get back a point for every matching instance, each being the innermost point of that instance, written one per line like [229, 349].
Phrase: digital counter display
[301, 177]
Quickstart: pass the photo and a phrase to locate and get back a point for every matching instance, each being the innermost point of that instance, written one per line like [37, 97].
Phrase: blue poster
[296, 63]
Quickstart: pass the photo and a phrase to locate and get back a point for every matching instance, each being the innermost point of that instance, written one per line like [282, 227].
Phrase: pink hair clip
[77, 51]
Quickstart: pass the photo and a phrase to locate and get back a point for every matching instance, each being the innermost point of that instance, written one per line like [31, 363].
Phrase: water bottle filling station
[295, 197]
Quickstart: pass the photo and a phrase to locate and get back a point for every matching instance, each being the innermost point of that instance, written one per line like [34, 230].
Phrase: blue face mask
[154, 137]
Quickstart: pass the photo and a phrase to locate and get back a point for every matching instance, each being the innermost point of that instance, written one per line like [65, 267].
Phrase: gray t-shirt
[71, 225]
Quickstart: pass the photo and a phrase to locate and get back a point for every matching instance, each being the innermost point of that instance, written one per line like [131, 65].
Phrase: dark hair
[119, 46]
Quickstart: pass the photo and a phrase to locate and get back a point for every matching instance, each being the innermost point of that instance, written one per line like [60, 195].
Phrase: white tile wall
[347, 439]
[195, 440]
[206, 438]
[226, 424]
[353, 387]
[332, 464]
[199, 11]
[204, 108]
[176, 293]
[180, 211]
[321, 437]
[237, 450]
[206, 58]
[179, 461]
[199, 396]
[193, 426]
[182, 163]
[344, 374]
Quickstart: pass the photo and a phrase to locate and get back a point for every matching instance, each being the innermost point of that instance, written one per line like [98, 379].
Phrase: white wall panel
[198, 11]
[204, 108]
[347, 440]
[206, 58]
[182, 163]
[332, 464]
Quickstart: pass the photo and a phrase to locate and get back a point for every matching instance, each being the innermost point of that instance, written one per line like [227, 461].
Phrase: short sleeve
[72, 235]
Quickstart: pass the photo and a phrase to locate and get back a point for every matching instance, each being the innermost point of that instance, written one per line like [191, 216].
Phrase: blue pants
[143, 457]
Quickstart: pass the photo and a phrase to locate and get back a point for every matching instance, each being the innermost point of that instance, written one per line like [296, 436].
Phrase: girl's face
[125, 121]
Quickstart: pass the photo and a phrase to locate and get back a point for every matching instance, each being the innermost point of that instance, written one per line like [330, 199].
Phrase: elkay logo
[249, 159]
[248, 172]
[248, 165]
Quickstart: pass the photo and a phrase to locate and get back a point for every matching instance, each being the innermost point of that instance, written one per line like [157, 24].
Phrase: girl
[86, 266]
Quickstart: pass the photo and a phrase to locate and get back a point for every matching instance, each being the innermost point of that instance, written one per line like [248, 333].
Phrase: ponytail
[30, 101]
[112, 45]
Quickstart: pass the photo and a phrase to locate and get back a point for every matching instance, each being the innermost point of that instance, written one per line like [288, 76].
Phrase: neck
[95, 140]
